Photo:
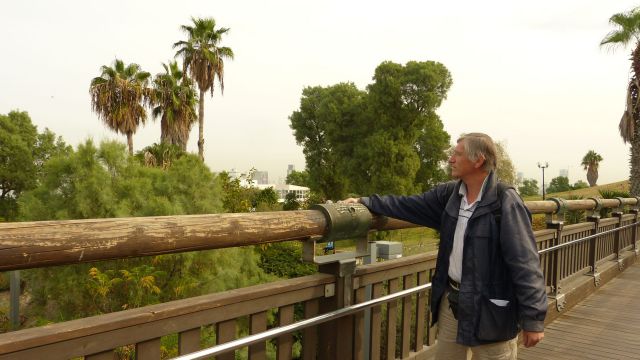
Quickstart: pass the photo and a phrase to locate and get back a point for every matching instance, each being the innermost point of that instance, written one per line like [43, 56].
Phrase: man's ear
[480, 162]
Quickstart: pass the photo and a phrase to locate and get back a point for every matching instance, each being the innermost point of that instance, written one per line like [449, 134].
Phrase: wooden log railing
[399, 329]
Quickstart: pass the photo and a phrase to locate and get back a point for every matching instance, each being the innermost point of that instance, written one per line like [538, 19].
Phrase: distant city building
[290, 168]
[564, 172]
[233, 174]
[302, 193]
[261, 177]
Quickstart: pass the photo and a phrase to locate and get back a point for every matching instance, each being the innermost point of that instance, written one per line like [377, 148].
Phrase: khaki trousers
[448, 349]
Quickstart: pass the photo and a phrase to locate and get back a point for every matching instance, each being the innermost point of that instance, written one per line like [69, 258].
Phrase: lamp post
[541, 166]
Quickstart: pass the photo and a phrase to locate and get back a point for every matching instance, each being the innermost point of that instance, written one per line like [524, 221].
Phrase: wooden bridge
[578, 260]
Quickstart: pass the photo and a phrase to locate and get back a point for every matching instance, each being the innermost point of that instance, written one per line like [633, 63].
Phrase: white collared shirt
[465, 212]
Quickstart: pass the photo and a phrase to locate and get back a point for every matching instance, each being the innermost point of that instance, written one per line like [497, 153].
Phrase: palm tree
[204, 59]
[174, 100]
[590, 162]
[118, 96]
[627, 30]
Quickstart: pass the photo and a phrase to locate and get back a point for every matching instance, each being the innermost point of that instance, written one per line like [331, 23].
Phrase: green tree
[203, 58]
[590, 162]
[579, 185]
[559, 184]
[627, 31]
[505, 170]
[266, 200]
[118, 96]
[22, 155]
[529, 187]
[291, 202]
[385, 139]
[299, 178]
[174, 101]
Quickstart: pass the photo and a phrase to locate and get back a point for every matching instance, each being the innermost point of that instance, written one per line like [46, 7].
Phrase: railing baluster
[285, 342]
[392, 316]
[105, 355]
[376, 323]
[148, 350]
[310, 334]
[408, 283]
[225, 332]
[358, 337]
[634, 230]
[421, 305]
[189, 341]
[258, 324]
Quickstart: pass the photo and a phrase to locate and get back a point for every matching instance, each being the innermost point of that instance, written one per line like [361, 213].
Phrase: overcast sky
[530, 74]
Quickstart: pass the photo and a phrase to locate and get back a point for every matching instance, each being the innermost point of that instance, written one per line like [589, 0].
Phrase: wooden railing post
[593, 257]
[616, 239]
[336, 337]
[557, 256]
[634, 232]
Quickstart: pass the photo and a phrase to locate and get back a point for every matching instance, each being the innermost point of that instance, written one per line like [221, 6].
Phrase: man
[488, 283]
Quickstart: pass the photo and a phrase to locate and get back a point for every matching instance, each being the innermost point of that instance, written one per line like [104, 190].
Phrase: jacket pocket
[497, 320]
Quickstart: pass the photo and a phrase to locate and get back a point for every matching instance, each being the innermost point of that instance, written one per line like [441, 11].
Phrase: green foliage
[103, 182]
[174, 102]
[505, 170]
[23, 152]
[159, 155]
[284, 260]
[237, 198]
[299, 178]
[118, 97]
[529, 187]
[612, 194]
[559, 184]
[579, 185]
[291, 202]
[385, 139]
[574, 216]
[266, 200]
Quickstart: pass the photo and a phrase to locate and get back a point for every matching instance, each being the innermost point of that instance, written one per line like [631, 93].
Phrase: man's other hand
[531, 338]
[350, 201]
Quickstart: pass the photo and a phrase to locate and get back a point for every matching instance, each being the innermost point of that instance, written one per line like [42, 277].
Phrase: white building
[302, 193]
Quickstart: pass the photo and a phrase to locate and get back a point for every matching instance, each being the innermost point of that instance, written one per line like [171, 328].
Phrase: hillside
[586, 192]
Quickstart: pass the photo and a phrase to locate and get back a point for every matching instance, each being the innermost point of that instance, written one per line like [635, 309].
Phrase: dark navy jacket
[500, 259]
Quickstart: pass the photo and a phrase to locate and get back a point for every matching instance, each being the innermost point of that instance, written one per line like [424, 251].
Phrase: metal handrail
[253, 339]
[256, 338]
[589, 237]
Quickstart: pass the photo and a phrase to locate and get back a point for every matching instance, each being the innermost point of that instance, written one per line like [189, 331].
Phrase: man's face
[461, 165]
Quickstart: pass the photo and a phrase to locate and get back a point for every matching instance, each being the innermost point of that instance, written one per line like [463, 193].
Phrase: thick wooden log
[46, 243]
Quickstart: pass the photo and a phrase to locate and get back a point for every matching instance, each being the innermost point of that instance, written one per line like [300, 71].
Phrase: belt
[454, 284]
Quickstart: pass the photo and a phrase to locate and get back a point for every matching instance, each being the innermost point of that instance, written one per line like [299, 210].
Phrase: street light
[546, 165]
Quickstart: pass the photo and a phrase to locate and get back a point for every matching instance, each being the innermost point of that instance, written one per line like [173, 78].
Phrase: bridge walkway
[605, 325]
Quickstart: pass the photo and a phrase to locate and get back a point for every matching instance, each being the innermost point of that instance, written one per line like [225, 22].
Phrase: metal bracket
[596, 279]
[620, 264]
[561, 205]
[596, 210]
[329, 290]
[560, 302]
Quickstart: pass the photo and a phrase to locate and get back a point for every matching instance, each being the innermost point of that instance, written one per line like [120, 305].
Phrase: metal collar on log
[561, 209]
[620, 207]
[596, 211]
[345, 221]
[637, 205]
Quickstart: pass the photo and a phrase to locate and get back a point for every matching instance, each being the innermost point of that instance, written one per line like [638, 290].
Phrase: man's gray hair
[479, 144]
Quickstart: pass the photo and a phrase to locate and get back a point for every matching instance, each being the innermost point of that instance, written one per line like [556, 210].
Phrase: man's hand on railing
[350, 201]
[531, 338]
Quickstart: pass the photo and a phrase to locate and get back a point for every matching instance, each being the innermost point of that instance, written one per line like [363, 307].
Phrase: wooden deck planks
[606, 325]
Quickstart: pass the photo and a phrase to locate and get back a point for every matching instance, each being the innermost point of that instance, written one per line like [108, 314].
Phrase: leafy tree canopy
[559, 184]
[299, 178]
[23, 153]
[529, 187]
[385, 139]
[579, 185]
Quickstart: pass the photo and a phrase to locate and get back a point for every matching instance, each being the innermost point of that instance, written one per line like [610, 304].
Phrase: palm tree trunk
[635, 166]
[592, 176]
[201, 126]
[130, 142]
